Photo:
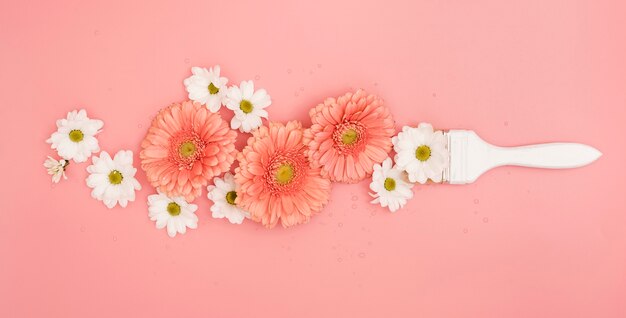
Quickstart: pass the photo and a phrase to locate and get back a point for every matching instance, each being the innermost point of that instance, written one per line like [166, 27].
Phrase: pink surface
[518, 243]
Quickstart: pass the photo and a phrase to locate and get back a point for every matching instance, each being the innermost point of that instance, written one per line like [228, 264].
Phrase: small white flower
[223, 195]
[207, 87]
[56, 168]
[391, 189]
[248, 106]
[113, 180]
[75, 136]
[421, 152]
[175, 213]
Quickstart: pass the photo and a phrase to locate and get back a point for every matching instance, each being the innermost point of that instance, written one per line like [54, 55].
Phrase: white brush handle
[470, 156]
[551, 155]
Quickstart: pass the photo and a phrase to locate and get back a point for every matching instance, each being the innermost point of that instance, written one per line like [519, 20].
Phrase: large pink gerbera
[275, 180]
[349, 135]
[185, 147]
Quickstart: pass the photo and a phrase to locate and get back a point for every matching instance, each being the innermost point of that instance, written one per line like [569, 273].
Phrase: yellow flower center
[213, 89]
[422, 153]
[284, 174]
[246, 106]
[349, 137]
[115, 177]
[390, 184]
[173, 209]
[187, 149]
[230, 197]
[76, 135]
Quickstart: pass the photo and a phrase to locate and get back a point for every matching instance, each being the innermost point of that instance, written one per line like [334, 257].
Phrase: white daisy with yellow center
[223, 194]
[113, 179]
[421, 152]
[391, 188]
[75, 136]
[207, 87]
[174, 213]
[249, 106]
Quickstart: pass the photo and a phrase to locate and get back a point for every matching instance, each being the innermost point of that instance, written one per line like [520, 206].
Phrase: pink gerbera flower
[349, 135]
[185, 147]
[275, 180]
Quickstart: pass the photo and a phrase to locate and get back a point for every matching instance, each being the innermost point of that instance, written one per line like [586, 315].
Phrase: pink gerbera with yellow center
[185, 147]
[349, 135]
[275, 179]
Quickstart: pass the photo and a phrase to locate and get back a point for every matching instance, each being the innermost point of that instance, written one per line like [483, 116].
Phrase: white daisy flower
[207, 87]
[248, 106]
[421, 152]
[223, 195]
[391, 189]
[56, 168]
[175, 213]
[75, 136]
[113, 180]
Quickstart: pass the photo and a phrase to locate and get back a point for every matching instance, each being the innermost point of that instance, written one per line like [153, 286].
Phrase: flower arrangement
[283, 174]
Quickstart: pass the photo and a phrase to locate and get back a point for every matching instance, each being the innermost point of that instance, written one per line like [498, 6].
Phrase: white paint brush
[470, 156]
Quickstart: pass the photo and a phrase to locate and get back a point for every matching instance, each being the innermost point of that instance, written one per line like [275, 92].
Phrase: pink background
[518, 243]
